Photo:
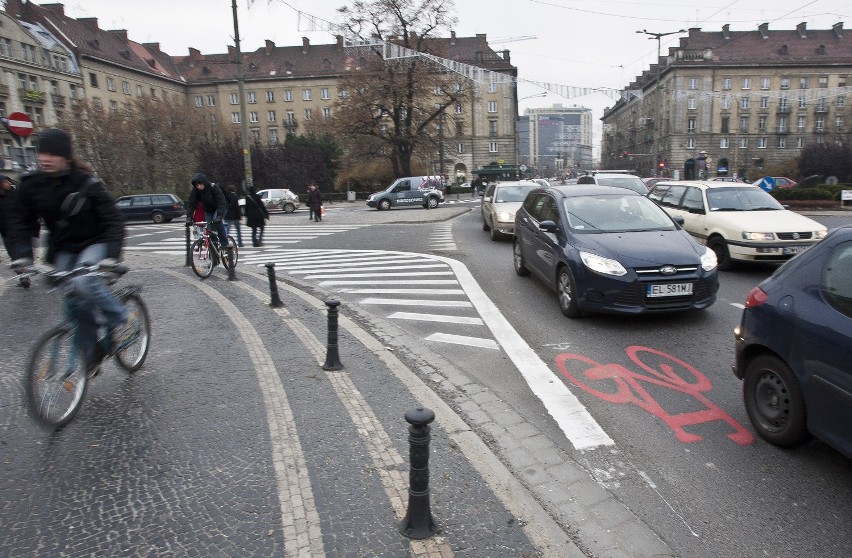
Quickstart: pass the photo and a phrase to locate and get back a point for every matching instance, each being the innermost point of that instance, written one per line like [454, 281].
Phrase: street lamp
[517, 139]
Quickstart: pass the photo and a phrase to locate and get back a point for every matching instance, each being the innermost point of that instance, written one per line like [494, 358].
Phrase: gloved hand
[21, 263]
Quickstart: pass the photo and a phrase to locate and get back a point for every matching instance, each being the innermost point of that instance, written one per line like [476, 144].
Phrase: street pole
[441, 146]
[241, 88]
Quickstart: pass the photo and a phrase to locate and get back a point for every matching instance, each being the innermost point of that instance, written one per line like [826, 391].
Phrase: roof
[581, 190]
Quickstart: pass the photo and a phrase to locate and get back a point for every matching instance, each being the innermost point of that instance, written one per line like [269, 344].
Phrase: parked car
[275, 199]
[159, 208]
[611, 250]
[649, 182]
[408, 191]
[739, 222]
[793, 347]
[499, 204]
[619, 180]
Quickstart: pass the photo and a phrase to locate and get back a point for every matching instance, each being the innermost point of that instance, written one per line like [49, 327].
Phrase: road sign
[523, 168]
[767, 183]
[20, 124]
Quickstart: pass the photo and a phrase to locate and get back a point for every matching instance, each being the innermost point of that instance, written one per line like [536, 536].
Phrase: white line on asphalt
[444, 318]
[738, 305]
[337, 265]
[404, 274]
[402, 291]
[391, 282]
[413, 302]
[377, 268]
[463, 340]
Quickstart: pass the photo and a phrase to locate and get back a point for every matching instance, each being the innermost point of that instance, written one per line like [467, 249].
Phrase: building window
[93, 79]
[690, 125]
[761, 123]
[800, 142]
[823, 82]
[492, 87]
[199, 101]
[743, 143]
[459, 128]
[153, 93]
[492, 128]
[211, 101]
[324, 94]
[28, 52]
[235, 99]
[820, 106]
[253, 116]
[723, 143]
[138, 90]
[803, 100]
[820, 124]
[461, 148]
[785, 83]
[288, 95]
[270, 116]
[291, 117]
[782, 124]
[800, 124]
[273, 136]
[113, 105]
[692, 103]
[306, 94]
[838, 123]
[252, 97]
[326, 112]
[255, 135]
[745, 102]
[764, 83]
[458, 108]
[270, 98]
[746, 83]
[764, 102]
[235, 117]
[125, 88]
[693, 83]
[803, 83]
[761, 143]
[782, 142]
[492, 106]
[72, 90]
[726, 124]
[726, 102]
[492, 147]
[110, 84]
[744, 124]
[841, 101]
[309, 114]
[6, 47]
[38, 117]
[690, 143]
[726, 83]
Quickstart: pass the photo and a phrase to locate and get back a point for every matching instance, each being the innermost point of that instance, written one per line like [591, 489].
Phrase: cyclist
[213, 202]
[84, 227]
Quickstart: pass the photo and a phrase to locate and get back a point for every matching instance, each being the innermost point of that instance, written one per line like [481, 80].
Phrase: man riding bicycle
[213, 202]
[85, 229]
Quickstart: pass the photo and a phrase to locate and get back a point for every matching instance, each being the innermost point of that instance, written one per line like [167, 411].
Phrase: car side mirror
[678, 219]
[548, 226]
[486, 198]
[696, 210]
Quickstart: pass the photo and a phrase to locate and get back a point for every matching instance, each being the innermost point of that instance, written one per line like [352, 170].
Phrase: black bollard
[418, 522]
[188, 247]
[332, 357]
[232, 272]
[275, 302]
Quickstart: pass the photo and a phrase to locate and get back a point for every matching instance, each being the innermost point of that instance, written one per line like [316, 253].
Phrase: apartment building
[731, 102]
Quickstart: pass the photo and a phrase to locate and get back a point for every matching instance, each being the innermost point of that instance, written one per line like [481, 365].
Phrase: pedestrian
[232, 216]
[314, 202]
[256, 216]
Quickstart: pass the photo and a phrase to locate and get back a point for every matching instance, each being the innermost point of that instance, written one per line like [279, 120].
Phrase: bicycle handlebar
[57, 277]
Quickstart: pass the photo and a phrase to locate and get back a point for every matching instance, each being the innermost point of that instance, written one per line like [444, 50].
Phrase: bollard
[275, 302]
[332, 357]
[418, 522]
[188, 247]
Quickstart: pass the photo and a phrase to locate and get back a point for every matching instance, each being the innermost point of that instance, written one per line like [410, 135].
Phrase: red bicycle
[207, 252]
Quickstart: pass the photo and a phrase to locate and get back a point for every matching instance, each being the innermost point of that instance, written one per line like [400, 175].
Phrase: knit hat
[55, 142]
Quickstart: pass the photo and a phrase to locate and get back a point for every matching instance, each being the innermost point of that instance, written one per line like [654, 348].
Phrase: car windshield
[511, 193]
[630, 182]
[615, 214]
[747, 198]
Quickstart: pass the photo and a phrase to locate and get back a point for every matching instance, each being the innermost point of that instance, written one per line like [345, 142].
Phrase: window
[841, 101]
[492, 147]
[211, 101]
[288, 95]
[110, 84]
[38, 117]
[270, 116]
[744, 124]
[764, 83]
[5, 47]
[461, 148]
[93, 79]
[255, 135]
[28, 52]
[803, 83]
[253, 116]
[819, 126]
[800, 124]
[693, 83]
[785, 83]
[125, 88]
[235, 99]
[693, 200]
[306, 94]
[113, 105]
[273, 136]
[492, 128]
[252, 97]
[764, 102]
[199, 101]
[782, 142]
[492, 106]
[743, 143]
[723, 143]
[235, 117]
[761, 143]
[270, 96]
[138, 90]
[54, 87]
[692, 103]
[783, 104]
[835, 284]
[690, 125]
[726, 102]
[324, 94]
[800, 142]
[782, 124]
[72, 90]
[492, 87]
[726, 124]
[745, 102]
[803, 100]
[746, 83]
[291, 117]
[458, 108]
[838, 123]
[690, 143]
[459, 128]
[761, 123]
[726, 83]
[309, 114]
[153, 93]
[820, 106]
[823, 82]
[326, 112]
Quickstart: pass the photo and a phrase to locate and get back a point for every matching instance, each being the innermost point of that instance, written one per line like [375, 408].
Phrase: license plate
[793, 249]
[669, 289]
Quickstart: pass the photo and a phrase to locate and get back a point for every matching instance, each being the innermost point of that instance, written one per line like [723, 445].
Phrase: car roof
[581, 190]
[528, 183]
[704, 184]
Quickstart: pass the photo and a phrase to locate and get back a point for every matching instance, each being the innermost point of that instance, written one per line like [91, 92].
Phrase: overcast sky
[578, 43]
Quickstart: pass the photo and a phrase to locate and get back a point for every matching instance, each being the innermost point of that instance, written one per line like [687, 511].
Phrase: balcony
[4, 90]
[32, 96]
[58, 100]
[821, 109]
[784, 110]
[783, 131]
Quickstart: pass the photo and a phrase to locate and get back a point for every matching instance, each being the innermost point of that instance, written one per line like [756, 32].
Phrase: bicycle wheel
[56, 377]
[236, 249]
[202, 259]
[132, 355]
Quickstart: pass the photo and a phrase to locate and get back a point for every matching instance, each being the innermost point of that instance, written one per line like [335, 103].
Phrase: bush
[818, 193]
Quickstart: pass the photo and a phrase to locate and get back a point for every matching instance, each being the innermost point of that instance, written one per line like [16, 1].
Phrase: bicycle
[57, 372]
[207, 252]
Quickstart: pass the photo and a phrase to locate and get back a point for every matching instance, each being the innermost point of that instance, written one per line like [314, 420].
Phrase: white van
[408, 191]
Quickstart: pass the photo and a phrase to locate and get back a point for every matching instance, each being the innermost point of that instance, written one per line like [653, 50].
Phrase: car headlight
[820, 234]
[602, 265]
[758, 236]
[708, 260]
[505, 217]
[370, 197]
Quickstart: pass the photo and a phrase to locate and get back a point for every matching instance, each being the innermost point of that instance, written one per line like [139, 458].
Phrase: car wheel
[723, 256]
[495, 234]
[158, 217]
[384, 205]
[433, 202]
[774, 402]
[567, 293]
[289, 208]
[518, 257]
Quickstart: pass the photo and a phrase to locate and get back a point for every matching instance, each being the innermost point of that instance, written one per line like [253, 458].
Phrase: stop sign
[20, 124]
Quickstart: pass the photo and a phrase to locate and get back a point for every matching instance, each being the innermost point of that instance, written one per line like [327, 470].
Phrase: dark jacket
[6, 200]
[314, 199]
[211, 197]
[41, 196]
[256, 213]
[233, 213]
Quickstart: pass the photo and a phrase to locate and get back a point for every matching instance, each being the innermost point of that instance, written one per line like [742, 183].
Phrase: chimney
[801, 29]
[120, 33]
[506, 56]
[305, 44]
[89, 22]
[153, 47]
[726, 31]
[837, 29]
[339, 39]
[764, 30]
[270, 46]
[58, 9]
[232, 52]
[194, 54]
[452, 38]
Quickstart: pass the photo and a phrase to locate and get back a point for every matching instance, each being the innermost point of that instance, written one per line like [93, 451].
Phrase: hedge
[821, 192]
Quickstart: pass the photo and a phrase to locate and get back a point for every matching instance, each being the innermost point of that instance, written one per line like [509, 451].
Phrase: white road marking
[414, 302]
[464, 340]
[439, 292]
[443, 318]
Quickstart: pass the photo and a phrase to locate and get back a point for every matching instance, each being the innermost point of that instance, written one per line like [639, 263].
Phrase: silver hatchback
[500, 202]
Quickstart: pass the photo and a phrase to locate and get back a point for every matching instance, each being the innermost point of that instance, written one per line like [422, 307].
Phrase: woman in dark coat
[314, 202]
[256, 216]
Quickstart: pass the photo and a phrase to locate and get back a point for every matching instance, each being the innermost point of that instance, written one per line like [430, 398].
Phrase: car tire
[518, 258]
[289, 208]
[432, 203]
[723, 255]
[566, 291]
[158, 217]
[774, 402]
[495, 234]
[383, 205]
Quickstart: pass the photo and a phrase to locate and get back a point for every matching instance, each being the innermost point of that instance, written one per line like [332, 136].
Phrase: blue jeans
[219, 227]
[228, 225]
[88, 295]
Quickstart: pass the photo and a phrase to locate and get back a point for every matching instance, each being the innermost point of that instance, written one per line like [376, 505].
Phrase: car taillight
[756, 297]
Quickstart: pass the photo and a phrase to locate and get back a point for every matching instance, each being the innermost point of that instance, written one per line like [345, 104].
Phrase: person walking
[314, 203]
[232, 215]
[256, 216]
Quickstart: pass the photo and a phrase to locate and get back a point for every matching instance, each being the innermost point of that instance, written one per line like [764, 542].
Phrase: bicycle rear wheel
[202, 259]
[56, 377]
[132, 355]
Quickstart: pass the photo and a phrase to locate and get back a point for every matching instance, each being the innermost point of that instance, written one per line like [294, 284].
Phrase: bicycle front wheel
[202, 258]
[132, 355]
[233, 243]
[56, 377]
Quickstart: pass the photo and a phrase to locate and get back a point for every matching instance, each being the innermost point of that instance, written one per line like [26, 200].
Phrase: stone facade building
[731, 102]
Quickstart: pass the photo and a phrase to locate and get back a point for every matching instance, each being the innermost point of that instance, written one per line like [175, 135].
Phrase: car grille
[789, 236]
[634, 295]
[653, 273]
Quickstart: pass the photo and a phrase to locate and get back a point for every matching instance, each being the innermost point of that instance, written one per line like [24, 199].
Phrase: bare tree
[392, 107]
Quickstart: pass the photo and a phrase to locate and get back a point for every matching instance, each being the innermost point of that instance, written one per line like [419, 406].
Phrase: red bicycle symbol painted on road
[628, 388]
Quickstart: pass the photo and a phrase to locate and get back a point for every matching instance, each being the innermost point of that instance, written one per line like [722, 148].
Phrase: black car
[158, 208]
[793, 348]
[611, 250]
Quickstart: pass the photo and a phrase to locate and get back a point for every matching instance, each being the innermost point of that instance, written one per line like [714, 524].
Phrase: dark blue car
[611, 250]
[794, 348]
